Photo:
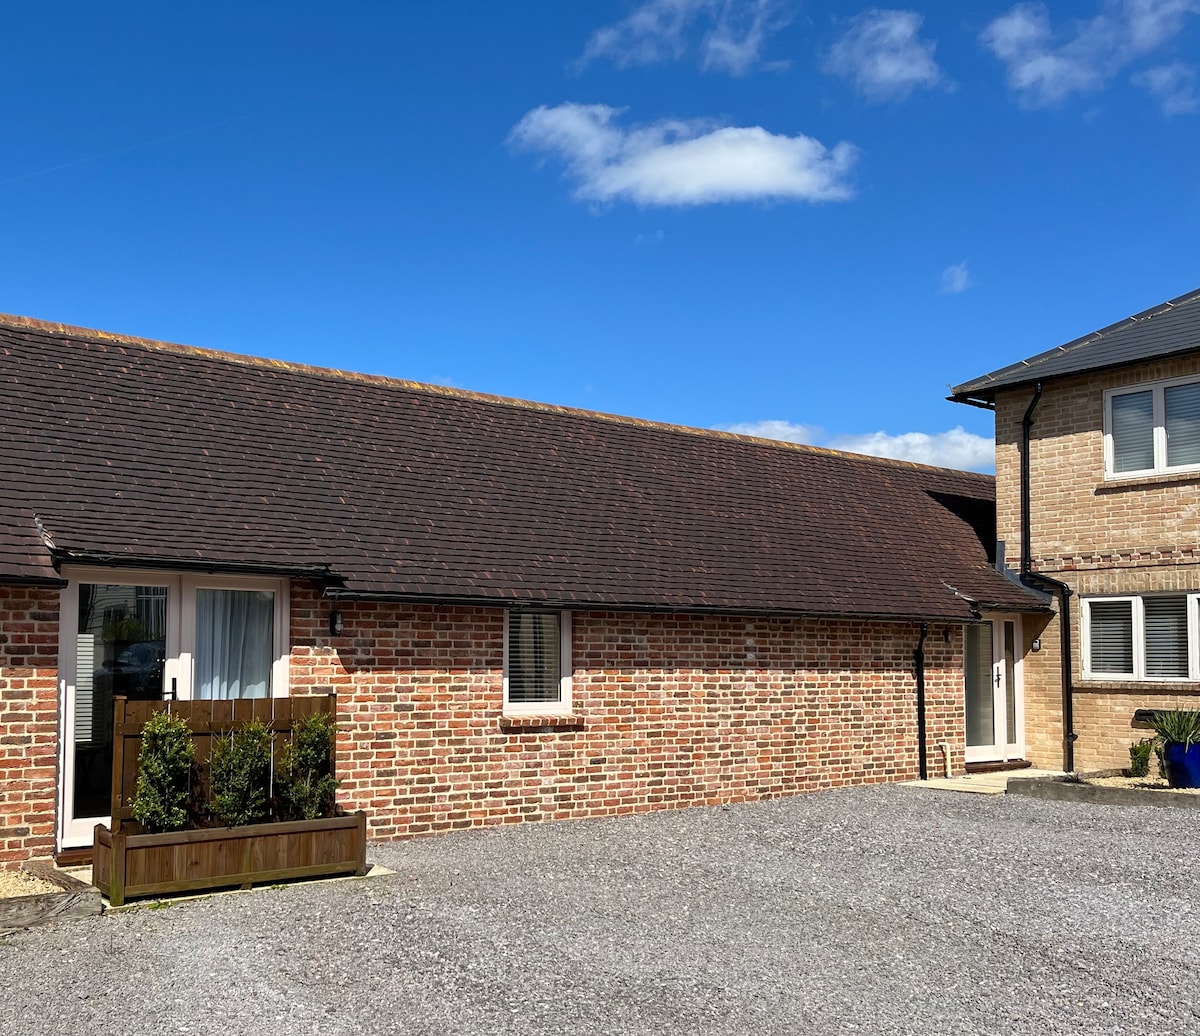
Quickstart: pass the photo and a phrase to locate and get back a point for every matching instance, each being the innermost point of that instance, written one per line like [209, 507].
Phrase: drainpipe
[919, 667]
[1043, 582]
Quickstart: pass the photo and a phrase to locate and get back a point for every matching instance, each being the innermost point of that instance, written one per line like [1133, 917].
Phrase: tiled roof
[1164, 330]
[155, 453]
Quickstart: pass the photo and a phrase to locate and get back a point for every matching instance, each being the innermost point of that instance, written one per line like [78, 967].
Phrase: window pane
[1133, 431]
[1166, 636]
[981, 719]
[234, 643]
[1111, 639]
[534, 654]
[1183, 424]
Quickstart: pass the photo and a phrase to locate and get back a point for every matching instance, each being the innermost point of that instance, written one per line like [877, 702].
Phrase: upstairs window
[1141, 638]
[537, 662]
[1152, 428]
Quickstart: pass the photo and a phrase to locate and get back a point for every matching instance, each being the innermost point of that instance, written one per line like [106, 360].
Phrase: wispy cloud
[956, 448]
[882, 54]
[955, 278]
[1046, 67]
[683, 163]
[725, 35]
[1174, 85]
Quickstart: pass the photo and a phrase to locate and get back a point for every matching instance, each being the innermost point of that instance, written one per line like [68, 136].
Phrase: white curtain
[234, 643]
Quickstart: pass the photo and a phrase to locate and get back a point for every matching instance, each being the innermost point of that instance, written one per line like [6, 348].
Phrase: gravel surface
[18, 883]
[879, 910]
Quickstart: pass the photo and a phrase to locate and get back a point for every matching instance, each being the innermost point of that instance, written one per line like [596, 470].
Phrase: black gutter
[1043, 582]
[64, 556]
[43, 581]
[341, 593]
[919, 667]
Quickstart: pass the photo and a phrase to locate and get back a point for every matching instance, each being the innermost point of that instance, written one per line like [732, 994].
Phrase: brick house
[1097, 468]
[527, 612]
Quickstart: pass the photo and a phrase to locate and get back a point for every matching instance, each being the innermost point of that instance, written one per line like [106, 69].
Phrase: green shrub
[304, 787]
[1180, 726]
[1139, 757]
[164, 774]
[241, 774]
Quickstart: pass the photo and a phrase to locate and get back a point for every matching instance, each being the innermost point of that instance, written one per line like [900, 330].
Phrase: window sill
[1165, 478]
[1132, 685]
[541, 724]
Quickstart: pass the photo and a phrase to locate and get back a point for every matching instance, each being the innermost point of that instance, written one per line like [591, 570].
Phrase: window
[1152, 428]
[537, 662]
[1141, 638]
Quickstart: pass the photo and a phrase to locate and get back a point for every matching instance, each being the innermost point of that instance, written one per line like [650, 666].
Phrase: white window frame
[1138, 612]
[565, 665]
[1158, 396]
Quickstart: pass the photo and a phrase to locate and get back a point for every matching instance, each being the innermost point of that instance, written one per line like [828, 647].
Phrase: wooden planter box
[128, 865]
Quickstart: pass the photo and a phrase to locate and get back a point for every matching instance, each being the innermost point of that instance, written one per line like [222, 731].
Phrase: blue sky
[801, 218]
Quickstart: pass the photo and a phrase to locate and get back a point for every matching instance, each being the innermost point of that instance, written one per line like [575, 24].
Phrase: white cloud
[883, 55]
[1174, 85]
[728, 35]
[955, 278]
[956, 448]
[683, 163]
[1045, 67]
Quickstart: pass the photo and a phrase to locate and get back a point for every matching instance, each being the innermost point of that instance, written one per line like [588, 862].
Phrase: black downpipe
[1043, 582]
[919, 667]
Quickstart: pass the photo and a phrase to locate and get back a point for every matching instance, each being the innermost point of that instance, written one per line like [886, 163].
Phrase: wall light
[336, 625]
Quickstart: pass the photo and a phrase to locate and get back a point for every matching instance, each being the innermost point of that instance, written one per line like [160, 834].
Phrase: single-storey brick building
[527, 612]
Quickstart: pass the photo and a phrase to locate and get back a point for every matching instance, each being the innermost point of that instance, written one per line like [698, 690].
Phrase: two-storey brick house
[1098, 505]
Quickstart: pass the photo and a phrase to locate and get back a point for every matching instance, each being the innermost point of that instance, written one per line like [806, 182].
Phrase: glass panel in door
[981, 722]
[120, 649]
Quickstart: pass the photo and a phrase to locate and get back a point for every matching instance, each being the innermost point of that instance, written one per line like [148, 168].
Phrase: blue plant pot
[1183, 765]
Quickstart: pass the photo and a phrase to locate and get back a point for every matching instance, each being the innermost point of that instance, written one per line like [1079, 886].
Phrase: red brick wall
[28, 722]
[675, 710]
[669, 711]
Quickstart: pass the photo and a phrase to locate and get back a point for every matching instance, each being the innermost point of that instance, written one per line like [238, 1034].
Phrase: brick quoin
[1127, 536]
[670, 710]
[28, 722]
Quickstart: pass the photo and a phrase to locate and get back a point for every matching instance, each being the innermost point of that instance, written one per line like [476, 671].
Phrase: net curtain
[234, 641]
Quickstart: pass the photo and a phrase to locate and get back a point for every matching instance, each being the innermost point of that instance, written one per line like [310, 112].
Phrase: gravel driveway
[878, 910]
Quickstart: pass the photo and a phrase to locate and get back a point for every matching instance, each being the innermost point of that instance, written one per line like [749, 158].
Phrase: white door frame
[178, 667]
[1003, 748]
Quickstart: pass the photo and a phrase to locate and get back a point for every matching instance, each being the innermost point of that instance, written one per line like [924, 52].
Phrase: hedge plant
[164, 774]
[304, 787]
[240, 781]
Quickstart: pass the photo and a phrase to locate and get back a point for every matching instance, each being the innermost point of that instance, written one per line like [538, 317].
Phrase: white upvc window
[1152, 428]
[537, 662]
[210, 636]
[1150, 637]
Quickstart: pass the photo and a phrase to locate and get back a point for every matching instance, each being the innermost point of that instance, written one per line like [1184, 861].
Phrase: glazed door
[994, 710]
[116, 641]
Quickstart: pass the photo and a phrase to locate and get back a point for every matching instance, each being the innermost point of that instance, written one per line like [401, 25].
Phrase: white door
[995, 718]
